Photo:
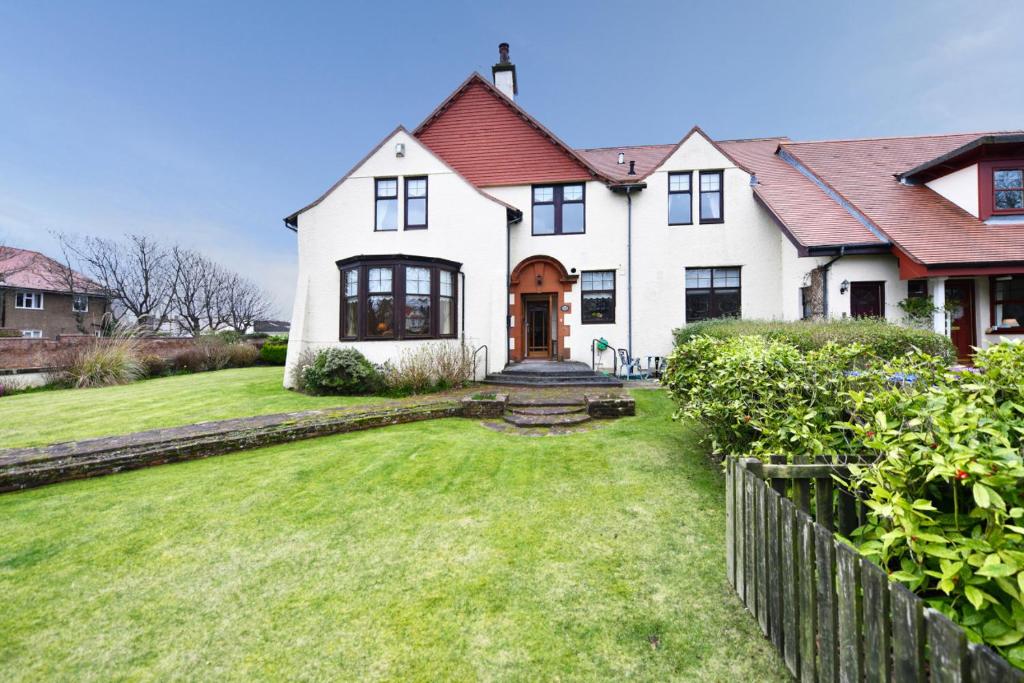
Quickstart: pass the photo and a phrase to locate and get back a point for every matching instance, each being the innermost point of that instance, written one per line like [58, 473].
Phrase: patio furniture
[629, 367]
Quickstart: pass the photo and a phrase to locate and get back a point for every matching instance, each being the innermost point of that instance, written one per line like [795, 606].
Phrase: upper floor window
[415, 203]
[598, 296]
[32, 334]
[80, 303]
[1008, 189]
[386, 193]
[558, 209]
[712, 293]
[31, 300]
[711, 197]
[680, 199]
[398, 298]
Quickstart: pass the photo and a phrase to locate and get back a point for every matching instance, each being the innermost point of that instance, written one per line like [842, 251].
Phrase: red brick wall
[17, 353]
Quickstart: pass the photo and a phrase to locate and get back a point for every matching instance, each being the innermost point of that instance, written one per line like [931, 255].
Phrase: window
[380, 303]
[389, 297]
[386, 190]
[598, 296]
[415, 203]
[1007, 302]
[917, 289]
[446, 310]
[32, 334]
[712, 293]
[350, 303]
[558, 210]
[711, 197]
[680, 199]
[1008, 190]
[79, 303]
[806, 303]
[32, 300]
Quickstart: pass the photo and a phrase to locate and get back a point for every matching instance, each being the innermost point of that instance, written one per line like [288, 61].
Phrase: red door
[867, 299]
[960, 299]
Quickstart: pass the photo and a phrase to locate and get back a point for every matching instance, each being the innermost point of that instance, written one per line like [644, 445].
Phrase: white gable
[696, 152]
[959, 187]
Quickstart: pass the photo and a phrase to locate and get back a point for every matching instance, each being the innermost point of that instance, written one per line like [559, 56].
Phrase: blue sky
[206, 123]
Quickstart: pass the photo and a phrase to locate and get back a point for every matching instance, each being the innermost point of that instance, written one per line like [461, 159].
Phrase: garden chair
[629, 367]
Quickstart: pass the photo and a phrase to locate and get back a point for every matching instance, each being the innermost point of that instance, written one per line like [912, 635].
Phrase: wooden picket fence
[830, 613]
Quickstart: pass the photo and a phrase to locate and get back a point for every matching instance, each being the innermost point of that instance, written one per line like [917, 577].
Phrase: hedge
[880, 338]
[274, 353]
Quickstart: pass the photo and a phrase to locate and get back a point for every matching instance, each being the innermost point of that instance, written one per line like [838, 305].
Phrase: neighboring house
[482, 225]
[40, 297]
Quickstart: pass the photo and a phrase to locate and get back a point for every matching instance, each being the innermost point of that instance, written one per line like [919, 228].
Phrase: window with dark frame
[1007, 302]
[415, 203]
[712, 293]
[386, 210]
[711, 206]
[559, 210]
[398, 298]
[917, 289]
[598, 296]
[1008, 190]
[79, 303]
[680, 198]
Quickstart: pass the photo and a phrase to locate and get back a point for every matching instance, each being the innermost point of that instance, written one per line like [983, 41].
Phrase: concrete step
[560, 420]
[547, 410]
[549, 381]
[544, 401]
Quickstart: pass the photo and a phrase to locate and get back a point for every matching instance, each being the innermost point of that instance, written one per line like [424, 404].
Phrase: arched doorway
[538, 309]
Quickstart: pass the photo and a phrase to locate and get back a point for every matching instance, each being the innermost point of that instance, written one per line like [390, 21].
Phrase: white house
[481, 225]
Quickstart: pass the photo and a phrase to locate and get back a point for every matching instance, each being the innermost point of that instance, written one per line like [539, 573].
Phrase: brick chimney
[504, 73]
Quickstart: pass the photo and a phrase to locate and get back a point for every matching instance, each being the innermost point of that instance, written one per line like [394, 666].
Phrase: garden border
[830, 612]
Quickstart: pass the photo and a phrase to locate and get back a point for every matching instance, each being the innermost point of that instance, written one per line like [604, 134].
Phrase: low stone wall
[482, 407]
[610, 406]
[23, 468]
[18, 353]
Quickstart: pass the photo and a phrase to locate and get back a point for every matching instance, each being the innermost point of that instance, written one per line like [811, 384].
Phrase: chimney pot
[504, 73]
[503, 53]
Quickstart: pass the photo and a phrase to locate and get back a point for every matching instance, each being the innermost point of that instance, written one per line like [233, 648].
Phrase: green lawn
[45, 417]
[429, 551]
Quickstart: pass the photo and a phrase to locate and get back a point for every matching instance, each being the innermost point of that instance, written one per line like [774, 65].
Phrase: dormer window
[1008, 189]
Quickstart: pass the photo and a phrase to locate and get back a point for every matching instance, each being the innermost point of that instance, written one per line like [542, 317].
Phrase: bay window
[559, 210]
[386, 210]
[397, 297]
[711, 207]
[598, 296]
[712, 293]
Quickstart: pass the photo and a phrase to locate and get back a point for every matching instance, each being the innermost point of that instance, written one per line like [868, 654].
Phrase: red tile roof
[920, 222]
[809, 216]
[25, 269]
[491, 140]
[606, 160]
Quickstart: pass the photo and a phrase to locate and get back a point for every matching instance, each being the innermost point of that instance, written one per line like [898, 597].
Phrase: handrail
[593, 356]
[487, 359]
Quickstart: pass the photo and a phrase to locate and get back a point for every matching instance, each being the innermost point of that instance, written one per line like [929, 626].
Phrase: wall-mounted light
[540, 279]
[399, 149]
[844, 286]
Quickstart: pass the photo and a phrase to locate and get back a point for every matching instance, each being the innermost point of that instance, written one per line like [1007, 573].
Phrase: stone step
[547, 410]
[560, 420]
[544, 401]
[548, 381]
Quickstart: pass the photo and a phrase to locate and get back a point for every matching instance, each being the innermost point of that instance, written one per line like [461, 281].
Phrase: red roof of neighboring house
[920, 222]
[492, 141]
[25, 269]
[809, 216]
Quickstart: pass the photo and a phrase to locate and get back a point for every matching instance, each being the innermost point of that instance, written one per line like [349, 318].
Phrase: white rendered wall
[960, 187]
[875, 268]
[463, 226]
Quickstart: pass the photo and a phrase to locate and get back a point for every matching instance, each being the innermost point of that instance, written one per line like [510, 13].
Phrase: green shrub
[878, 337]
[429, 367]
[340, 371]
[274, 353]
[945, 496]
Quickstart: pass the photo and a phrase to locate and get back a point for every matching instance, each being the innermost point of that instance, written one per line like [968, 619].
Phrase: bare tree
[244, 303]
[61, 275]
[137, 272]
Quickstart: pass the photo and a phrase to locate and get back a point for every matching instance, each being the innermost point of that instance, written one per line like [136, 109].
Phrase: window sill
[712, 221]
[597, 322]
[555, 234]
[1004, 330]
[415, 227]
[690, 223]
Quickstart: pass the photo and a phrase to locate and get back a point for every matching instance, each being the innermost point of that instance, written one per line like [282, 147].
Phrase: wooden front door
[538, 328]
[961, 325]
[867, 299]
